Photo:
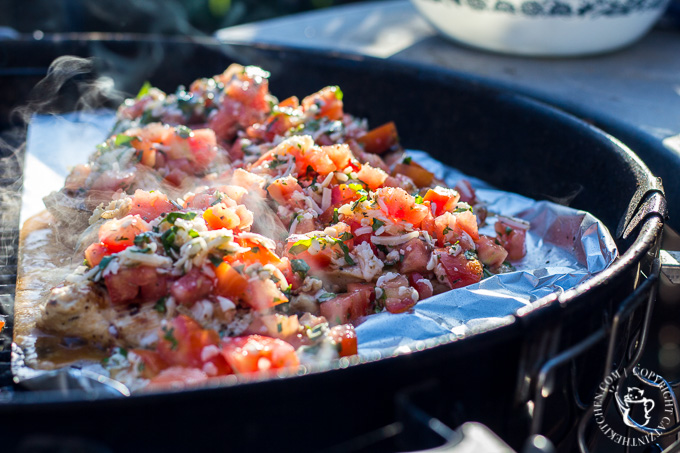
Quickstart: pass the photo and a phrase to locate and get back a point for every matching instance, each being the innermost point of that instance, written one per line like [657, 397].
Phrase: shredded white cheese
[394, 240]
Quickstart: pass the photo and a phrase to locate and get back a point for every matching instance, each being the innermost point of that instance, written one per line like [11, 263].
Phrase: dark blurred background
[146, 16]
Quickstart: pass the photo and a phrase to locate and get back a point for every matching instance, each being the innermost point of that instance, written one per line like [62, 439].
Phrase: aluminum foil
[564, 247]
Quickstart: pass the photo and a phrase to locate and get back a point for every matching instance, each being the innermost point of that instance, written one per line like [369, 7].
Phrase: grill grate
[11, 180]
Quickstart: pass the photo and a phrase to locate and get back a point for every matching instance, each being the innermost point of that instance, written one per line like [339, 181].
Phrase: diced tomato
[512, 239]
[449, 230]
[380, 139]
[367, 290]
[341, 155]
[420, 176]
[346, 307]
[421, 284]
[225, 122]
[155, 288]
[291, 103]
[95, 252]
[78, 177]
[415, 256]
[182, 340]
[396, 299]
[191, 287]
[342, 194]
[276, 124]
[230, 283]
[152, 362]
[258, 253]
[274, 325]
[263, 294]
[345, 337]
[490, 253]
[325, 103]
[467, 193]
[245, 103]
[112, 180]
[444, 199]
[401, 205]
[128, 284]
[220, 216]
[460, 271]
[400, 305]
[373, 177]
[2, 325]
[176, 176]
[177, 376]
[236, 149]
[119, 234]
[149, 205]
[428, 224]
[203, 147]
[251, 182]
[252, 353]
[317, 159]
[467, 221]
[282, 190]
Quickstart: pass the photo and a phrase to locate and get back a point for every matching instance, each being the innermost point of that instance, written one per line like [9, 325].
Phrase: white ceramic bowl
[543, 27]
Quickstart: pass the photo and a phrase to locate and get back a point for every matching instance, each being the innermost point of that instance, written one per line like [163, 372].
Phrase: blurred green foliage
[146, 16]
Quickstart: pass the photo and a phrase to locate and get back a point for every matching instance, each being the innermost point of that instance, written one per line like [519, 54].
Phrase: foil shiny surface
[565, 247]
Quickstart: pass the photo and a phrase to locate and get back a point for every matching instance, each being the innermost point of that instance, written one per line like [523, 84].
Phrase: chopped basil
[255, 249]
[508, 230]
[407, 160]
[168, 240]
[300, 246]
[123, 352]
[160, 305]
[461, 209]
[105, 262]
[144, 90]
[300, 267]
[173, 216]
[487, 273]
[346, 236]
[447, 230]
[142, 238]
[356, 187]
[338, 93]
[326, 297]
[124, 140]
[193, 233]
[377, 223]
[183, 132]
[169, 336]
[364, 197]
[510, 266]
[335, 215]
[272, 164]
[147, 117]
[317, 331]
[215, 260]
[419, 199]
[471, 254]
[345, 250]
[218, 198]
